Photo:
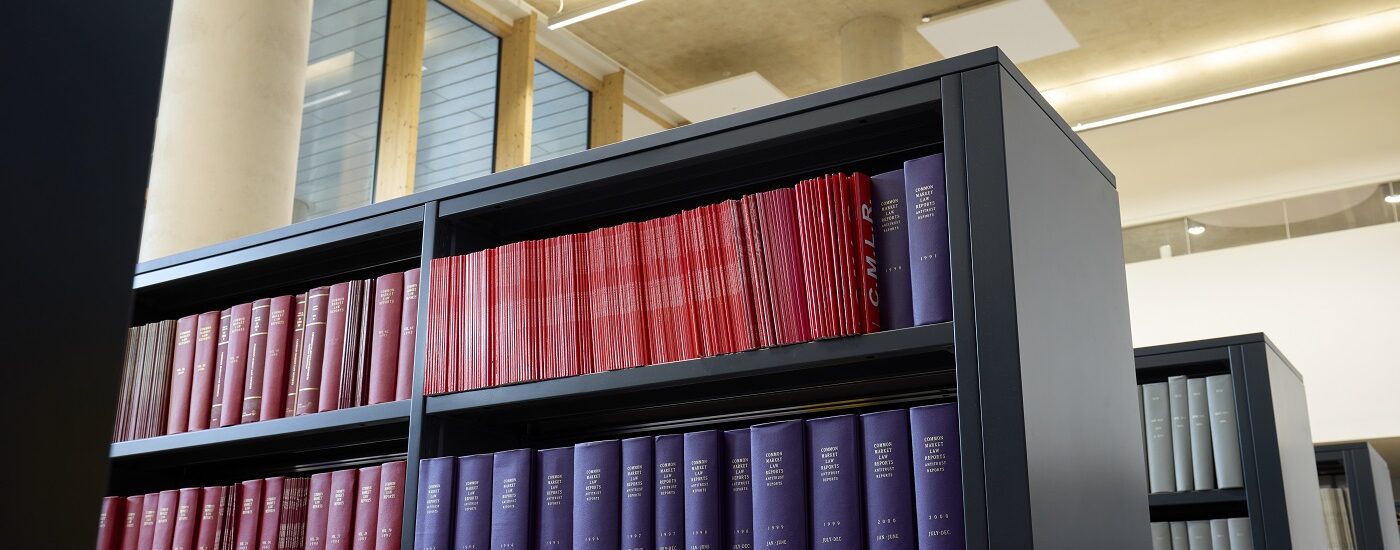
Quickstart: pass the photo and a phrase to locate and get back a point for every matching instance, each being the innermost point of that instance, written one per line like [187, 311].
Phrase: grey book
[1202, 461]
[1157, 417]
[1219, 534]
[1329, 518]
[1198, 533]
[1240, 539]
[1224, 432]
[1180, 540]
[1161, 535]
[1181, 433]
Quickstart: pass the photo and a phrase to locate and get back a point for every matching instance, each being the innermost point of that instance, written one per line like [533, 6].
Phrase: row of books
[839, 255]
[1213, 534]
[355, 508]
[333, 347]
[1336, 512]
[882, 480]
[1191, 434]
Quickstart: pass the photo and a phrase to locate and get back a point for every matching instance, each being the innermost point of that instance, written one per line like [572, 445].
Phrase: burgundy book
[408, 341]
[388, 326]
[216, 400]
[318, 511]
[270, 513]
[869, 269]
[186, 519]
[211, 514]
[313, 352]
[276, 358]
[366, 508]
[148, 521]
[294, 365]
[340, 507]
[165, 519]
[249, 512]
[202, 376]
[334, 354]
[389, 524]
[251, 406]
[181, 376]
[109, 523]
[131, 522]
[236, 365]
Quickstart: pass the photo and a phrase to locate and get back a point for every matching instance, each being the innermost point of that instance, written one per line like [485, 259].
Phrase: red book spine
[294, 363]
[340, 522]
[149, 503]
[578, 294]
[211, 511]
[216, 402]
[202, 379]
[131, 522]
[869, 269]
[389, 524]
[271, 512]
[165, 519]
[434, 362]
[388, 333]
[249, 512]
[682, 294]
[331, 362]
[251, 406]
[366, 508]
[228, 520]
[236, 365]
[318, 511]
[109, 523]
[181, 375]
[314, 346]
[408, 340]
[275, 359]
[186, 519]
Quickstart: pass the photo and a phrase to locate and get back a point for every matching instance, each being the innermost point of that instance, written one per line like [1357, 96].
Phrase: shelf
[1196, 498]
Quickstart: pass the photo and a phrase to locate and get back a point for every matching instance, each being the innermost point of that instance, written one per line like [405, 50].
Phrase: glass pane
[457, 116]
[1236, 226]
[561, 116]
[340, 115]
[1154, 240]
[1338, 210]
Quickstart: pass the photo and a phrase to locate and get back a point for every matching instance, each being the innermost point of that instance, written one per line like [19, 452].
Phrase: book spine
[271, 512]
[314, 352]
[432, 529]
[211, 511]
[554, 498]
[1161, 536]
[236, 365]
[334, 354]
[892, 250]
[181, 375]
[1198, 534]
[937, 476]
[1178, 405]
[738, 490]
[472, 526]
[834, 478]
[868, 266]
[149, 504]
[249, 512]
[186, 519]
[638, 466]
[164, 533]
[927, 217]
[251, 405]
[1198, 409]
[318, 511]
[216, 402]
[202, 376]
[1219, 534]
[1240, 537]
[510, 499]
[109, 523]
[408, 340]
[597, 495]
[1224, 431]
[340, 520]
[389, 516]
[366, 508]
[388, 329]
[670, 492]
[131, 527]
[702, 497]
[298, 359]
[779, 485]
[278, 357]
[1156, 410]
[889, 514]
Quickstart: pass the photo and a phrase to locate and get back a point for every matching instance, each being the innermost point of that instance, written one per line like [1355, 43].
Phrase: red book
[236, 364]
[181, 374]
[216, 402]
[408, 340]
[202, 379]
[294, 363]
[864, 216]
[165, 519]
[682, 293]
[271, 513]
[186, 519]
[388, 332]
[275, 359]
[340, 522]
[850, 253]
[632, 296]
[149, 504]
[318, 511]
[751, 243]
[435, 360]
[389, 524]
[249, 512]
[313, 354]
[213, 504]
[228, 522]
[109, 523]
[366, 508]
[131, 522]
[334, 355]
[251, 406]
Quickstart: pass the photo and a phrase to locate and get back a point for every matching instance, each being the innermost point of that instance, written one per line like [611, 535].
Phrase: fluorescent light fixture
[1393, 198]
[592, 13]
[1196, 229]
[1239, 93]
[325, 98]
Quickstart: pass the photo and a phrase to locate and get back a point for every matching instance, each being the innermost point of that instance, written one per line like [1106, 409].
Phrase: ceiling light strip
[591, 14]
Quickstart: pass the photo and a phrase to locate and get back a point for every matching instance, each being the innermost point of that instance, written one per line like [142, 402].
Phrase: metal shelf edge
[329, 421]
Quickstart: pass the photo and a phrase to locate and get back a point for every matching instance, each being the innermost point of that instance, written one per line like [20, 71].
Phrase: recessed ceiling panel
[1024, 29]
[723, 97]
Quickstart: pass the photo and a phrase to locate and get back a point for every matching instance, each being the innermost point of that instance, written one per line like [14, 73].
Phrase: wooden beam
[398, 115]
[554, 60]
[605, 112]
[651, 115]
[515, 95]
[473, 11]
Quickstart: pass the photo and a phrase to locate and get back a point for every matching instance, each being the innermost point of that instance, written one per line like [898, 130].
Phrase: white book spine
[1198, 532]
[1180, 539]
[1181, 433]
[1224, 431]
[1202, 461]
[1219, 534]
[1157, 415]
[1240, 539]
[1161, 535]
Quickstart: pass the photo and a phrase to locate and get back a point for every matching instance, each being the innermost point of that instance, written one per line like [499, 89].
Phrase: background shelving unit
[1280, 493]
[1371, 496]
[1048, 249]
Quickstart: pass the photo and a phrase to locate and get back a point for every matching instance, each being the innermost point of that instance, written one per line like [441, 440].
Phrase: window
[560, 122]
[340, 115]
[457, 114]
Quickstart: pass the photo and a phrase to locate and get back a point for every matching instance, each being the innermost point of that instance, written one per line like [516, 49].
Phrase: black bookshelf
[1040, 306]
[1370, 495]
[1280, 493]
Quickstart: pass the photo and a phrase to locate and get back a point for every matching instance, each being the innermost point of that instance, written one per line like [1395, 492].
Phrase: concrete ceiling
[680, 44]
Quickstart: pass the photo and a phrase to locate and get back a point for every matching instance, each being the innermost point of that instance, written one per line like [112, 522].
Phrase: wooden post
[515, 94]
[605, 111]
[403, 86]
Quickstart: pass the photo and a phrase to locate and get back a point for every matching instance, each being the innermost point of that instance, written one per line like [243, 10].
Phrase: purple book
[889, 497]
[433, 521]
[937, 476]
[554, 495]
[779, 485]
[738, 491]
[638, 463]
[472, 526]
[702, 519]
[510, 499]
[597, 495]
[833, 451]
[670, 492]
[892, 250]
[926, 212]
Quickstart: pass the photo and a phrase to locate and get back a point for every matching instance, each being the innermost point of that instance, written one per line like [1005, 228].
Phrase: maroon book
[148, 521]
[274, 378]
[186, 519]
[131, 522]
[388, 326]
[211, 511]
[408, 340]
[202, 378]
[313, 351]
[271, 513]
[289, 401]
[216, 400]
[109, 523]
[251, 405]
[366, 508]
[334, 352]
[249, 512]
[236, 364]
[340, 507]
[181, 376]
[318, 511]
[389, 524]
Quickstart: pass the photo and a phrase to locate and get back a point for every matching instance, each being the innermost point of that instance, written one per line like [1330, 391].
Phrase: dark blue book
[834, 479]
[892, 250]
[510, 499]
[926, 213]
[937, 476]
[670, 492]
[472, 528]
[889, 495]
[780, 485]
[432, 525]
[638, 465]
[703, 529]
[554, 495]
[597, 495]
[738, 493]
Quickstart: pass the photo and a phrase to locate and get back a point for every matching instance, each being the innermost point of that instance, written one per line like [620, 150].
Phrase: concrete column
[225, 156]
[871, 45]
